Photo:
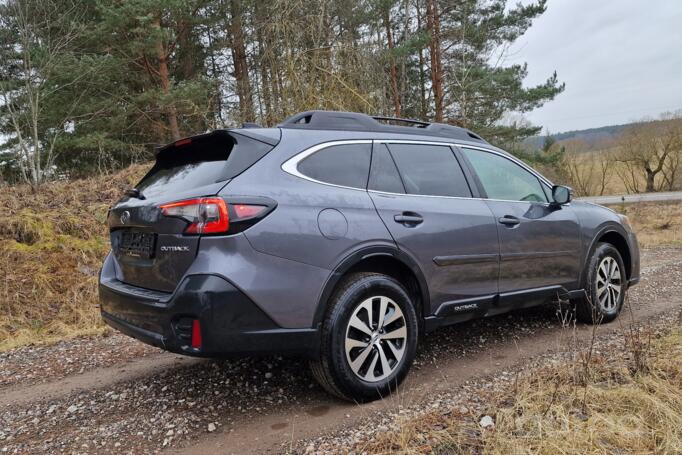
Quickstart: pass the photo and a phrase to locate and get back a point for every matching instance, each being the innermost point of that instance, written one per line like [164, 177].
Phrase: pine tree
[479, 89]
[139, 73]
[151, 83]
[36, 102]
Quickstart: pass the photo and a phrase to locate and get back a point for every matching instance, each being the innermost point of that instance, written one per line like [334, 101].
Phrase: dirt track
[142, 400]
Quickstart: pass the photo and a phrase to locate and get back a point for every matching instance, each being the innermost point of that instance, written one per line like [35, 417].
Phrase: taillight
[212, 215]
[206, 215]
[248, 211]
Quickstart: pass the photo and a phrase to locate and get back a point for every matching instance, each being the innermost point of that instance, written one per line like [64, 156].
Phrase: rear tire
[605, 286]
[368, 339]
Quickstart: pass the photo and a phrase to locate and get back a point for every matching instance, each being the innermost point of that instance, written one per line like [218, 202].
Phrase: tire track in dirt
[271, 432]
[97, 378]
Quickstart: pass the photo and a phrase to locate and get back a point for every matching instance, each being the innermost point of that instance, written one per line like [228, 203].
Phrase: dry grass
[51, 247]
[610, 405]
[656, 223]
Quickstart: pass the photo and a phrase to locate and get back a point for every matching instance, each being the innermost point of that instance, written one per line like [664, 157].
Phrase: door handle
[409, 219]
[509, 220]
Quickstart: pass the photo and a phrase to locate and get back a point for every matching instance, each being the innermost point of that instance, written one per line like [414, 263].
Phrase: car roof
[353, 121]
[334, 122]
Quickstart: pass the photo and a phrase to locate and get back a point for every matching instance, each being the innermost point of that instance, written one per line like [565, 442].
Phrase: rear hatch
[154, 251]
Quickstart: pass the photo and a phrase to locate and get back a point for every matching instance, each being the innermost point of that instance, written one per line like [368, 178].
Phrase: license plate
[137, 244]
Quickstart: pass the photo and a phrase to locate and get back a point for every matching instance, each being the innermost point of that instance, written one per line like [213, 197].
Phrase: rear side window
[345, 165]
[430, 170]
[383, 176]
[206, 159]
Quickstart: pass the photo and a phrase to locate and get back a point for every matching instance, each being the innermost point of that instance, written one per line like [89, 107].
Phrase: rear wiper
[134, 192]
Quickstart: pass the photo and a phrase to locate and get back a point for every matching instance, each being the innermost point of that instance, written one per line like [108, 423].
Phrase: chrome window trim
[422, 195]
[290, 166]
[474, 147]
[458, 197]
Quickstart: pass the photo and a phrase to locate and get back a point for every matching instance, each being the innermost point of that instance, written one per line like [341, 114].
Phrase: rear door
[421, 193]
[151, 250]
[539, 244]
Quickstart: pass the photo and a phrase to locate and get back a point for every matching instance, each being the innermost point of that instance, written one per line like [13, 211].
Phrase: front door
[539, 243]
[424, 200]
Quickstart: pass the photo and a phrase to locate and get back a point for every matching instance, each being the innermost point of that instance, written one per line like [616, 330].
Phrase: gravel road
[116, 395]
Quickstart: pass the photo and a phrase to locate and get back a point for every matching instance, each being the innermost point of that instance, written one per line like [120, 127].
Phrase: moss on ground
[52, 244]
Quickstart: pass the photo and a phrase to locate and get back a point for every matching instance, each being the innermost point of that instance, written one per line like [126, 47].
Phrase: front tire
[606, 286]
[368, 339]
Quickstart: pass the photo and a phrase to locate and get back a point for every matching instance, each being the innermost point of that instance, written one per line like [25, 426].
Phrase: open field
[585, 169]
[656, 223]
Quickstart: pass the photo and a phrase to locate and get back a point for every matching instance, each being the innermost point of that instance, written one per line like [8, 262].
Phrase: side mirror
[561, 194]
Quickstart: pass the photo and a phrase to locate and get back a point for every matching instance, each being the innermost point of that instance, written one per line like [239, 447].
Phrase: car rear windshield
[202, 160]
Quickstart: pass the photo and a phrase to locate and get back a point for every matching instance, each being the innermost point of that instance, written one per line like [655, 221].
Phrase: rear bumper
[231, 324]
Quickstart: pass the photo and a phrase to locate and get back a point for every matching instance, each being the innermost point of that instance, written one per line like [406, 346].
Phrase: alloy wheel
[608, 284]
[376, 338]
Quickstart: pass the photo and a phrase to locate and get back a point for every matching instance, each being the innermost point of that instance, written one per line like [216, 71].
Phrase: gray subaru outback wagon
[343, 237]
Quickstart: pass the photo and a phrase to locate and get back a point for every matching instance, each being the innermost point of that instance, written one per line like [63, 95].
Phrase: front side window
[430, 170]
[503, 179]
[345, 165]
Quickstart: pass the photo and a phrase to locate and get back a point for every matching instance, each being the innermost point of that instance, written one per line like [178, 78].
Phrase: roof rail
[417, 123]
[334, 120]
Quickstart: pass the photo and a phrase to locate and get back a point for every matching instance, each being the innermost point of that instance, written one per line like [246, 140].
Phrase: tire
[604, 295]
[347, 354]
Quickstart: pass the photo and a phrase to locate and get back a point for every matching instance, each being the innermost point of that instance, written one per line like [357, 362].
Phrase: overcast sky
[621, 60]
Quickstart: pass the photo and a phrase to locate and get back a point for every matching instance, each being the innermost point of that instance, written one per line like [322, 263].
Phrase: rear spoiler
[269, 139]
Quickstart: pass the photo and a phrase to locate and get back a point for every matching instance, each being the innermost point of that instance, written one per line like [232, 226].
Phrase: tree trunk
[650, 178]
[186, 66]
[265, 81]
[433, 25]
[241, 68]
[422, 74]
[276, 83]
[394, 70]
[214, 76]
[164, 77]
[261, 14]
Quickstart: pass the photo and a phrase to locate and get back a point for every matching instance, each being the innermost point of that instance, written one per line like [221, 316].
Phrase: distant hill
[591, 136]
